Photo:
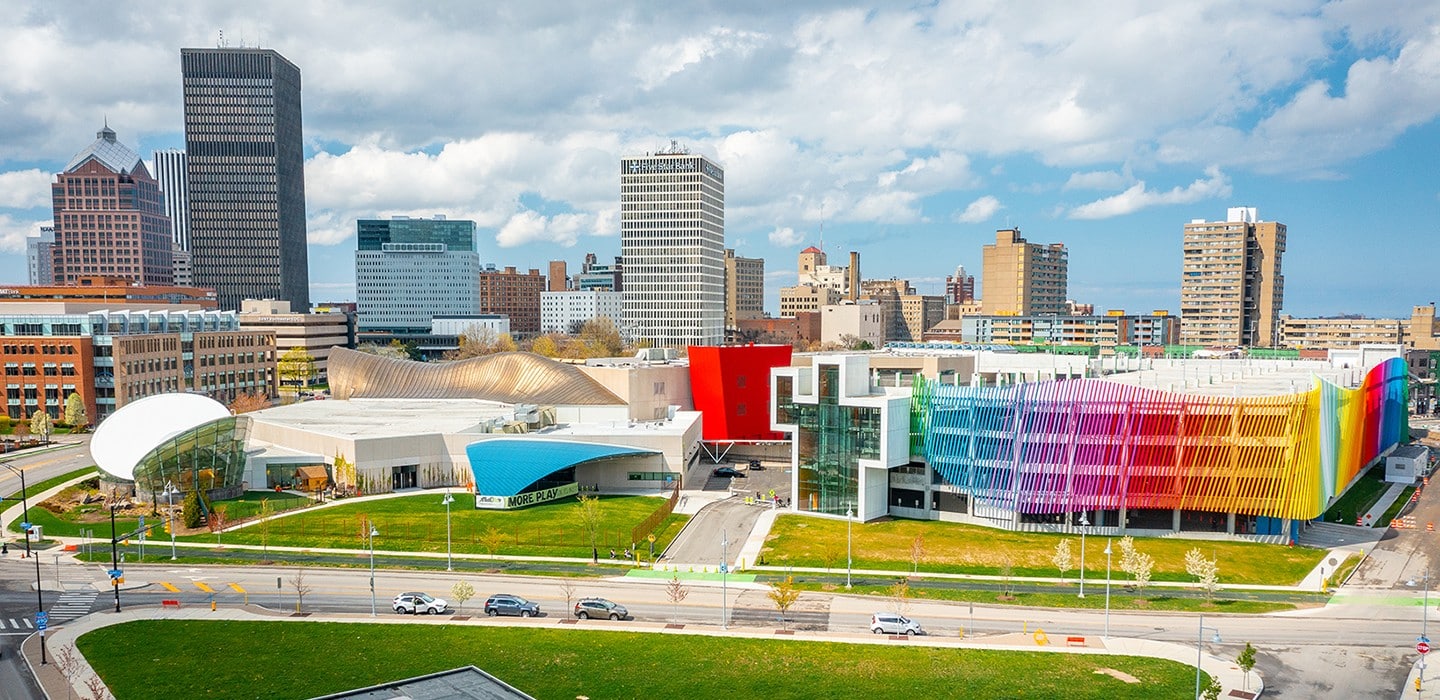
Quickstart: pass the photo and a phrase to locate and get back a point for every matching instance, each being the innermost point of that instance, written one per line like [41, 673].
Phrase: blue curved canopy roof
[504, 466]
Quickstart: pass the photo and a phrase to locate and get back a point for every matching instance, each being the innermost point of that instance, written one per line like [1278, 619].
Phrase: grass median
[306, 659]
[967, 549]
[417, 524]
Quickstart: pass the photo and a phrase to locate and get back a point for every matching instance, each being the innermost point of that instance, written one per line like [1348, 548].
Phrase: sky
[909, 133]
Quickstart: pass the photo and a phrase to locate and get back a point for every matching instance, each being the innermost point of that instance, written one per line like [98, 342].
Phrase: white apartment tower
[672, 242]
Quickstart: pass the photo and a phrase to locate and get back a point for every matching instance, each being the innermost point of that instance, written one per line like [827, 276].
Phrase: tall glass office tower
[407, 271]
[672, 241]
[246, 175]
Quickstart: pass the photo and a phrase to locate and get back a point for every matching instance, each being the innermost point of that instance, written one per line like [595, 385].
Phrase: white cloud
[531, 227]
[1097, 180]
[1213, 185]
[13, 233]
[786, 237]
[979, 210]
[25, 189]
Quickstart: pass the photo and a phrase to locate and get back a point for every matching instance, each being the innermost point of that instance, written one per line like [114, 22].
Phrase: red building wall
[731, 387]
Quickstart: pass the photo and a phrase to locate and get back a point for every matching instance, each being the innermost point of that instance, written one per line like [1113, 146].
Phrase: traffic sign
[1422, 647]
[724, 569]
[25, 526]
[41, 620]
[115, 573]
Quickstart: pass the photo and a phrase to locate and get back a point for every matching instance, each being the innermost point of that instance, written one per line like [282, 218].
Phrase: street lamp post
[25, 525]
[114, 557]
[373, 532]
[1200, 650]
[449, 558]
[849, 561]
[1084, 525]
[170, 515]
[1107, 587]
[724, 579]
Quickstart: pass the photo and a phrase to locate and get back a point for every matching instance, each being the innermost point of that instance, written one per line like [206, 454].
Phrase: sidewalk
[1231, 678]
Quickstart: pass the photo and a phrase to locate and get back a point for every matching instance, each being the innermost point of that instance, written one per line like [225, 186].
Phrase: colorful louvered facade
[1094, 445]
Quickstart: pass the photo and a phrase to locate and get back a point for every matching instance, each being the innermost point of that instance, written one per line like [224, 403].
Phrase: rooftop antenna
[221, 43]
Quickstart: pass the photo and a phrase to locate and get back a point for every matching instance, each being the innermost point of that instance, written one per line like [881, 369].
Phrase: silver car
[586, 608]
[890, 623]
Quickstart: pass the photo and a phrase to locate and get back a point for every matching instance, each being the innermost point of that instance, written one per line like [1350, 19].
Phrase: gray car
[506, 604]
[586, 608]
[890, 623]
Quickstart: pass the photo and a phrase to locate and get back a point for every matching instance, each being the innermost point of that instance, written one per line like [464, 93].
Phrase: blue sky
[912, 132]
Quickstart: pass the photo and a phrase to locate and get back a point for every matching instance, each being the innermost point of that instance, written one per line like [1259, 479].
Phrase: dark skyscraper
[246, 175]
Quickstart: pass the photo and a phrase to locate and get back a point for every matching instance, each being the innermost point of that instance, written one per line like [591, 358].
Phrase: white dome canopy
[130, 433]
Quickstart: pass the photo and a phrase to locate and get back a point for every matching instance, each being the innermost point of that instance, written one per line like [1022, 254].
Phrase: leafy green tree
[783, 594]
[190, 512]
[590, 519]
[296, 366]
[1246, 662]
[40, 423]
[461, 592]
[545, 346]
[75, 411]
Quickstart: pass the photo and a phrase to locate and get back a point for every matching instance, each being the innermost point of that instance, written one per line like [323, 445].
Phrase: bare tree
[591, 519]
[783, 594]
[900, 598]
[68, 662]
[246, 402]
[831, 553]
[676, 592]
[917, 552]
[301, 589]
[266, 510]
[567, 588]
[97, 688]
[217, 522]
[461, 592]
[1007, 578]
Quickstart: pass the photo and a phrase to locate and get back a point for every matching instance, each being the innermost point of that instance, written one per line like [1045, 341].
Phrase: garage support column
[1175, 520]
[1229, 523]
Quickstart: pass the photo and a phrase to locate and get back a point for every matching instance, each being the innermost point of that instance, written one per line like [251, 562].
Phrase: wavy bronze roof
[510, 377]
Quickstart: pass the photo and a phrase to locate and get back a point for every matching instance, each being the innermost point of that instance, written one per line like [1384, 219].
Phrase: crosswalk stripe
[28, 623]
[204, 586]
[169, 586]
[14, 624]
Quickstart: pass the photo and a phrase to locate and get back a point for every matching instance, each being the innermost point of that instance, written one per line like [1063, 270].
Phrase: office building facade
[595, 277]
[959, 287]
[109, 217]
[408, 271]
[514, 294]
[566, 312]
[1231, 286]
[672, 240]
[1024, 278]
[744, 289]
[40, 257]
[314, 334]
[245, 175]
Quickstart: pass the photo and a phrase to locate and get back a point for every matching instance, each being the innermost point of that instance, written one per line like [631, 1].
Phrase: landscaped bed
[305, 659]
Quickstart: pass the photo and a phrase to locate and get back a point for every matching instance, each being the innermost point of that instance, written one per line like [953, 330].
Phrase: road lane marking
[237, 588]
[204, 586]
[169, 586]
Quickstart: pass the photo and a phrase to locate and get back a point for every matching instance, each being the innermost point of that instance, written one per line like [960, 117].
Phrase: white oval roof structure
[132, 432]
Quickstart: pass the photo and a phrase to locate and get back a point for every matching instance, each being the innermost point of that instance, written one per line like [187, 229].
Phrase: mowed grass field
[417, 524]
[955, 548]
[178, 659]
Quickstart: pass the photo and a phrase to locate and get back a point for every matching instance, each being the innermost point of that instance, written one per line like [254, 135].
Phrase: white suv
[416, 603]
[890, 623]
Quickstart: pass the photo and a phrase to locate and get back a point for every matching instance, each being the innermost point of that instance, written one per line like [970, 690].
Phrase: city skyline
[913, 135]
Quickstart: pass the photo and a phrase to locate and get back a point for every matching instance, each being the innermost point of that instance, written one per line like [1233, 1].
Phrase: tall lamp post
[449, 558]
[1107, 587]
[1084, 526]
[170, 492]
[1200, 650]
[1424, 621]
[25, 526]
[849, 561]
[724, 579]
[114, 557]
[373, 532]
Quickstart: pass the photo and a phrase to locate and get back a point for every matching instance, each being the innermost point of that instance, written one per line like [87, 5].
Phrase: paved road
[701, 542]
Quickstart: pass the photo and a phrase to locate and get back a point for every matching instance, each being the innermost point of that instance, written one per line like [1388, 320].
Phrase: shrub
[190, 510]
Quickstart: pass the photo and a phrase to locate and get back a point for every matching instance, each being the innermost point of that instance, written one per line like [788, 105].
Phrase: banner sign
[526, 499]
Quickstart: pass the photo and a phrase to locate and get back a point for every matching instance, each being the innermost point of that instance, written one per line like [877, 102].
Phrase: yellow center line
[204, 587]
[170, 587]
[237, 588]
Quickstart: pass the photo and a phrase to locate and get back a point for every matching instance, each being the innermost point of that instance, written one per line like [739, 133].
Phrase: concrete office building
[513, 294]
[1108, 331]
[170, 172]
[40, 257]
[1310, 333]
[595, 277]
[806, 298]
[566, 312]
[109, 217]
[1024, 278]
[101, 289]
[558, 279]
[1423, 331]
[672, 240]
[1231, 287]
[863, 321]
[246, 175]
[313, 333]
[410, 270]
[959, 287]
[744, 289]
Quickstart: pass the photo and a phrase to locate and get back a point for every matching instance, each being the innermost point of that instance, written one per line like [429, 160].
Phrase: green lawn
[1397, 506]
[53, 481]
[1155, 599]
[305, 659]
[954, 548]
[417, 523]
[248, 504]
[1358, 499]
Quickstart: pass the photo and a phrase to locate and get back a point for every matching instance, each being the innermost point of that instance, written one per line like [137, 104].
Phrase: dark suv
[586, 608]
[505, 604]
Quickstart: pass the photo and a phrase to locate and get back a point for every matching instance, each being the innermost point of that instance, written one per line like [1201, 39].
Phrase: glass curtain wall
[206, 457]
[832, 440]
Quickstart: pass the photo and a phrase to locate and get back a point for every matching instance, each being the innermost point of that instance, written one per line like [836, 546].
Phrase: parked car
[728, 471]
[586, 608]
[506, 604]
[416, 603]
[890, 623]
[756, 466]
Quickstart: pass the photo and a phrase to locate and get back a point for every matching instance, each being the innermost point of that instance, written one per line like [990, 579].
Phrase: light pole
[449, 558]
[724, 578]
[1107, 587]
[25, 525]
[1200, 650]
[849, 561]
[170, 492]
[373, 532]
[1084, 525]
[114, 556]
[1424, 622]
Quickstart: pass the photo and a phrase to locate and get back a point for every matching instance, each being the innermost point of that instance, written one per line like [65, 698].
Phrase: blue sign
[25, 526]
[1423, 639]
[41, 620]
[724, 569]
[115, 573]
